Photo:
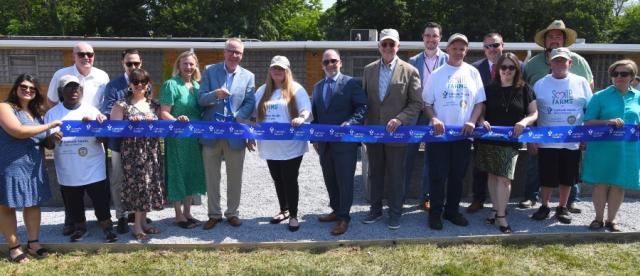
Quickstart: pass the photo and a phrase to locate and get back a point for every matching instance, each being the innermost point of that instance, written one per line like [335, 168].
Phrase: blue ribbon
[334, 133]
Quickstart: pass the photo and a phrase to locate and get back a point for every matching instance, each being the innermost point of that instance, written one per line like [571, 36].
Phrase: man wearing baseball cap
[393, 90]
[453, 96]
[562, 98]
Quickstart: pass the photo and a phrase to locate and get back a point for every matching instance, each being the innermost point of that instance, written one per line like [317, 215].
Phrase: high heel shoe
[493, 219]
[504, 229]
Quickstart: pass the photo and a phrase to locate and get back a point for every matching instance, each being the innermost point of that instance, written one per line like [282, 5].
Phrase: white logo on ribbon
[231, 129]
[170, 127]
[371, 132]
[130, 127]
[150, 126]
[569, 132]
[191, 127]
[549, 133]
[331, 131]
[590, 131]
[88, 126]
[312, 130]
[109, 127]
[271, 129]
[210, 128]
[251, 129]
[351, 131]
[68, 127]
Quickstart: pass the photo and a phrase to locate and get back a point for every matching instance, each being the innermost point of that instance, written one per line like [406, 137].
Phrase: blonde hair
[625, 62]
[176, 65]
[287, 94]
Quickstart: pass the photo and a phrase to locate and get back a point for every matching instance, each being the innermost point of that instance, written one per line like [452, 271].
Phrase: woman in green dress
[184, 175]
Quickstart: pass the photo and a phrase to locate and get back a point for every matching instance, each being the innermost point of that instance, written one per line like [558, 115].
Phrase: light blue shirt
[386, 70]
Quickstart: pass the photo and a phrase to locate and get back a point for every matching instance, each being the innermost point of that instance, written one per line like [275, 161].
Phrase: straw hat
[569, 34]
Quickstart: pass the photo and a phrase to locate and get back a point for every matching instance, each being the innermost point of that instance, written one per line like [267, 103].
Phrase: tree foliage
[627, 26]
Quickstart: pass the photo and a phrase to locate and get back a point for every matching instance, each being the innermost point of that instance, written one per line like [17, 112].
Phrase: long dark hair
[35, 106]
[517, 77]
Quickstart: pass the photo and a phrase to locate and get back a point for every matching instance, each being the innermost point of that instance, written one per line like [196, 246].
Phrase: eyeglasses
[234, 52]
[430, 36]
[132, 64]
[622, 74]
[508, 67]
[388, 44]
[28, 88]
[85, 54]
[138, 82]
[330, 61]
[494, 45]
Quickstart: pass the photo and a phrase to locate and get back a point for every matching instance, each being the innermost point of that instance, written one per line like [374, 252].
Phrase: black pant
[98, 193]
[285, 178]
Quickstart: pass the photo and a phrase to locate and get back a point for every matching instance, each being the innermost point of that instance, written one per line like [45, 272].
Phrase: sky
[327, 4]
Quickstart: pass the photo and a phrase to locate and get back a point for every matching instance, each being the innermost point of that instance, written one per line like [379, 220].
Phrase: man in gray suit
[393, 90]
[227, 93]
[338, 99]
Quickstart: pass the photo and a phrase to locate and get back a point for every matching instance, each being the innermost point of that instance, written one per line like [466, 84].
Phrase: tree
[626, 28]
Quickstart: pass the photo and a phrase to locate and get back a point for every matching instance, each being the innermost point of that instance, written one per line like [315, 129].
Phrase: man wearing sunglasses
[114, 91]
[556, 35]
[338, 99]
[227, 93]
[93, 81]
[393, 90]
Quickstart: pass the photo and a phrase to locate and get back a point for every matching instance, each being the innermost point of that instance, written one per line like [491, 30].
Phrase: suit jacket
[403, 99]
[114, 91]
[347, 104]
[242, 97]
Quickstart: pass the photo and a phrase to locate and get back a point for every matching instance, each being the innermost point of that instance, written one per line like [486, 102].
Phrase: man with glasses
[393, 90]
[556, 35]
[93, 81]
[493, 46]
[338, 99]
[227, 93]
[426, 62]
[114, 91]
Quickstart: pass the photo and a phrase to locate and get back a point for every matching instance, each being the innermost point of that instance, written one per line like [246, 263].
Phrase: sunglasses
[28, 88]
[85, 54]
[508, 67]
[622, 74]
[138, 82]
[132, 64]
[494, 45]
[330, 61]
[388, 44]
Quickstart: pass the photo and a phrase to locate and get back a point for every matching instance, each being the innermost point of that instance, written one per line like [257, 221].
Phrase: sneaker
[68, 229]
[456, 218]
[526, 204]
[573, 208]
[435, 222]
[78, 235]
[109, 236]
[123, 226]
[563, 215]
[372, 218]
[394, 223]
[542, 213]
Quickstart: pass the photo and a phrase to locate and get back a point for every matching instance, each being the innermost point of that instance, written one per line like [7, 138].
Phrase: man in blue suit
[227, 93]
[116, 90]
[426, 62]
[338, 100]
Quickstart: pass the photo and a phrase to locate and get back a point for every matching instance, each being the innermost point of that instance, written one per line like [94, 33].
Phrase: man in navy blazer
[338, 100]
[227, 93]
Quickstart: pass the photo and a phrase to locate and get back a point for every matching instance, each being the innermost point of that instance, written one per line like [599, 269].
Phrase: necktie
[493, 71]
[328, 91]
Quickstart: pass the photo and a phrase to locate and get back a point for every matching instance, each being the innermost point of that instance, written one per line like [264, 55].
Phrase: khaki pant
[234, 159]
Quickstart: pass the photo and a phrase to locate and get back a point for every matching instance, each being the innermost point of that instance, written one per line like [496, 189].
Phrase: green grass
[556, 259]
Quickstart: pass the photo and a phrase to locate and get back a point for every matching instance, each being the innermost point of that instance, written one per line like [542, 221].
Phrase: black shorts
[558, 167]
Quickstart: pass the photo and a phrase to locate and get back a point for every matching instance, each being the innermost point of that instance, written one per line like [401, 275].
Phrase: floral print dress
[142, 188]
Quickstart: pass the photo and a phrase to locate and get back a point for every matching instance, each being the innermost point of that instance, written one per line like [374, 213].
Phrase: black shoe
[123, 226]
[526, 204]
[293, 226]
[563, 215]
[456, 218]
[542, 213]
[435, 222]
[131, 218]
[572, 208]
[78, 235]
[504, 229]
[109, 236]
[68, 230]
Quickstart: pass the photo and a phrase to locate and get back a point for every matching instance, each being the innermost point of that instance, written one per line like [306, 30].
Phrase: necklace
[427, 65]
[512, 94]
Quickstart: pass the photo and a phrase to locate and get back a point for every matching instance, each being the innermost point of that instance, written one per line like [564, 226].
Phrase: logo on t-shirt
[83, 151]
[562, 96]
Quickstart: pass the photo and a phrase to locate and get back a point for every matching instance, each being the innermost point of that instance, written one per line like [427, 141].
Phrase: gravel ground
[259, 203]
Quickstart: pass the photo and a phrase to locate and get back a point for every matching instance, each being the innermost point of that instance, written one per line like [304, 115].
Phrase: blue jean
[412, 152]
[447, 167]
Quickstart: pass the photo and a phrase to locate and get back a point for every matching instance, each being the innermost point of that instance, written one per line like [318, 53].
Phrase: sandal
[504, 229]
[182, 224]
[151, 230]
[140, 236]
[493, 219]
[279, 217]
[194, 221]
[40, 253]
[17, 259]
[596, 225]
[612, 226]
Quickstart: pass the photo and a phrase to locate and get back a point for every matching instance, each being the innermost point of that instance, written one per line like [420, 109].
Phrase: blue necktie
[328, 87]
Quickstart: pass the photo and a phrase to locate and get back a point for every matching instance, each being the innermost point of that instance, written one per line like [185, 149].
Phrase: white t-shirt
[93, 85]
[278, 112]
[562, 102]
[453, 92]
[79, 160]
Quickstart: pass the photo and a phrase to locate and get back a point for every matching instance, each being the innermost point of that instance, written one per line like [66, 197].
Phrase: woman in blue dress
[23, 180]
[613, 166]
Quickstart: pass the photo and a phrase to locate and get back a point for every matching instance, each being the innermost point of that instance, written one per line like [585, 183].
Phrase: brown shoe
[425, 205]
[328, 217]
[234, 221]
[211, 223]
[475, 206]
[340, 228]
